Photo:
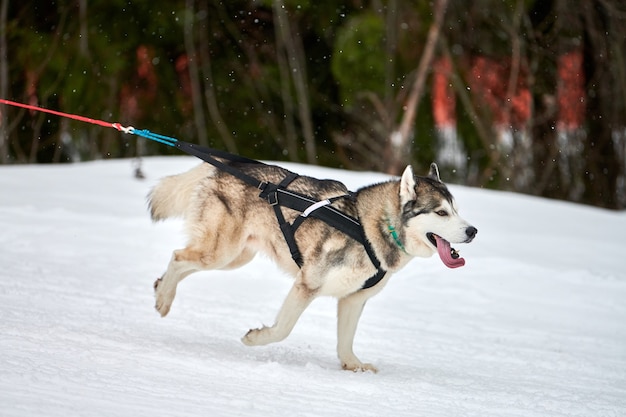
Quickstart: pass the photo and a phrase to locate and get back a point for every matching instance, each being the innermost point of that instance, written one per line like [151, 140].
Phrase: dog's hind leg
[298, 299]
[184, 262]
[205, 251]
[349, 311]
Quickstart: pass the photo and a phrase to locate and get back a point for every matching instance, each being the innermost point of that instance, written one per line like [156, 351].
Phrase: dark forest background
[523, 95]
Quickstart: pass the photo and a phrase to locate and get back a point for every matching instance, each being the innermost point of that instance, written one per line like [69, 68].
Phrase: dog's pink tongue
[445, 253]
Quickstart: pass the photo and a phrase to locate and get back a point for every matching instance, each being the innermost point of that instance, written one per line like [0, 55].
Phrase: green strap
[395, 237]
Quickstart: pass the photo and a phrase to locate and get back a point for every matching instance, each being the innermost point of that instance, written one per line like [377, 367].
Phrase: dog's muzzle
[471, 232]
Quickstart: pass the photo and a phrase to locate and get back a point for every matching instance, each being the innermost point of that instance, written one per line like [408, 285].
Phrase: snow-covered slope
[533, 325]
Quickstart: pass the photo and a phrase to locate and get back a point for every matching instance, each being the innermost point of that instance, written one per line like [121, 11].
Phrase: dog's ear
[407, 186]
[434, 172]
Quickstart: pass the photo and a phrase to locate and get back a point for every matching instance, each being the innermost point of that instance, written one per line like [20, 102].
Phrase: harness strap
[270, 193]
[380, 273]
[208, 155]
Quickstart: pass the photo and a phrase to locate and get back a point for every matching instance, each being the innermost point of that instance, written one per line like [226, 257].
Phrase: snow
[533, 325]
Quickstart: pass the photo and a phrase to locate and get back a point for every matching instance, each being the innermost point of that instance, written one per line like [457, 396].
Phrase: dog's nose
[471, 232]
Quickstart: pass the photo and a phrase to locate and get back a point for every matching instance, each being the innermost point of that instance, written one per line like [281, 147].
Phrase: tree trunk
[391, 46]
[4, 83]
[84, 28]
[295, 58]
[198, 110]
[209, 91]
[291, 135]
[398, 145]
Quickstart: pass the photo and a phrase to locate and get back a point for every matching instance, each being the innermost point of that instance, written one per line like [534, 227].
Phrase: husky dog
[228, 224]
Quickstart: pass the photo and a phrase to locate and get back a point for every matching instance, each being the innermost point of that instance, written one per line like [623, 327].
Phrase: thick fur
[228, 224]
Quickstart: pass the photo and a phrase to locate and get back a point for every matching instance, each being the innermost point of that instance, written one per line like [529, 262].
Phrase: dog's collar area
[394, 235]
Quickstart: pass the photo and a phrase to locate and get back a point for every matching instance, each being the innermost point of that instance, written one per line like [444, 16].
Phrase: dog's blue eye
[442, 213]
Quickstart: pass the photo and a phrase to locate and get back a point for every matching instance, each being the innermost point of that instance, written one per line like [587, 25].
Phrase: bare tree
[398, 144]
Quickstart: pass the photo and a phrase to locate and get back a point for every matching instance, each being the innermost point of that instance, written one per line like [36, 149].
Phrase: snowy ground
[533, 325]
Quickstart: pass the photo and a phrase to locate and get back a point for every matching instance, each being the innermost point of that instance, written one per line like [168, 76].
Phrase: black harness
[277, 195]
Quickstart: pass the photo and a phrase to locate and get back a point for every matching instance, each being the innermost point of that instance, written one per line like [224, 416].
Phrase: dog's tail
[173, 195]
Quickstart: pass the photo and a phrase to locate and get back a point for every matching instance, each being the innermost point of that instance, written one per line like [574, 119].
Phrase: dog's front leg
[349, 311]
[298, 299]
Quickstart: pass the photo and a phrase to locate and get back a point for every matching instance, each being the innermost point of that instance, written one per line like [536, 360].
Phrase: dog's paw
[257, 337]
[163, 300]
[251, 338]
[359, 367]
[162, 308]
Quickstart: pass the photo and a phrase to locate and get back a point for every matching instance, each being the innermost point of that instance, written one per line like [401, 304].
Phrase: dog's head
[430, 218]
